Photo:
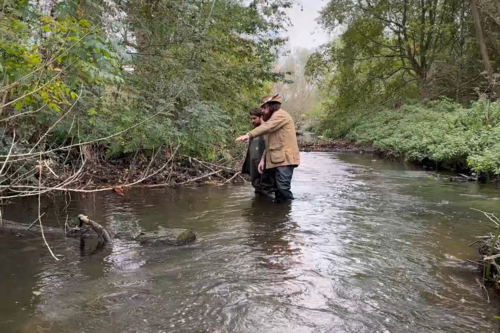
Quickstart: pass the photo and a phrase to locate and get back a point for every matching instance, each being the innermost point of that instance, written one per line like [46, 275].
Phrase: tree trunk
[484, 50]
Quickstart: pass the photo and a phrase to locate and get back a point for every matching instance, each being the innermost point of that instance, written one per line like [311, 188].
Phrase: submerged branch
[88, 228]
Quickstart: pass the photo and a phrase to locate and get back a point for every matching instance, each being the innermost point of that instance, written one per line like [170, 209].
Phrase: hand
[260, 167]
[243, 138]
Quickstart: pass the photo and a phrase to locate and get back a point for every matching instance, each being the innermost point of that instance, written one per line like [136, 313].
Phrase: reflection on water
[367, 246]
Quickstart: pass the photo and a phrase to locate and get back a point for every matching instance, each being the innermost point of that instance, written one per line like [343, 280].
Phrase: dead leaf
[119, 190]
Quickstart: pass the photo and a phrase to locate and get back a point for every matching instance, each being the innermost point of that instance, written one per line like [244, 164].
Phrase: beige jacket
[281, 140]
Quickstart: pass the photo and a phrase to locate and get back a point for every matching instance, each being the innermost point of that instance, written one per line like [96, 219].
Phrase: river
[367, 246]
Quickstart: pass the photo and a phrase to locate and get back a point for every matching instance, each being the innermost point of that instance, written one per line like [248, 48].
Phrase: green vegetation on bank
[414, 78]
[442, 131]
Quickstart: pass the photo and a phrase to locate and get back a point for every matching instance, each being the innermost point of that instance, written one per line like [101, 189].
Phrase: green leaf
[54, 107]
[19, 105]
[73, 95]
[46, 28]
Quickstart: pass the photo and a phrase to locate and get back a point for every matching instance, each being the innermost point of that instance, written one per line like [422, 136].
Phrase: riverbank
[79, 173]
[335, 145]
[439, 135]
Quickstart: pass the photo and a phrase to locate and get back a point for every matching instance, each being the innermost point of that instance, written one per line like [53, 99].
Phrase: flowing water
[367, 246]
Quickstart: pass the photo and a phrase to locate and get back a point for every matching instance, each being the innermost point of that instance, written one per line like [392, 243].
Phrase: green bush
[441, 131]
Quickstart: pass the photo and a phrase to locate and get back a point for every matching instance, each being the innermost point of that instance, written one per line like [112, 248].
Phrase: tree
[485, 53]
[85, 82]
[299, 95]
[394, 51]
[412, 32]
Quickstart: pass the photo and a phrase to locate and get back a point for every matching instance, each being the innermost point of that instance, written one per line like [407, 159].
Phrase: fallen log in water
[91, 229]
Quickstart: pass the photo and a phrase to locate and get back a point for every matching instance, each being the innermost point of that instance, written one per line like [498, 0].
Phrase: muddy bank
[182, 171]
[77, 173]
[335, 145]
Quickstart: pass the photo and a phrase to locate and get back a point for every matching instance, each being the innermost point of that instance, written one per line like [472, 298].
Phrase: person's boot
[279, 198]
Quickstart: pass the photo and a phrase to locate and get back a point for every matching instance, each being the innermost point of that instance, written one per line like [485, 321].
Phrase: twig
[39, 215]
[477, 241]
[99, 229]
[22, 114]
[493, 257]
[490, 216]
[32, 224]
[230, 179]
[483, 287]
[201, 177]
[5, 95]
[244, 180]
[51, 171]
[8, 155]
[157, 171]
[208, 163]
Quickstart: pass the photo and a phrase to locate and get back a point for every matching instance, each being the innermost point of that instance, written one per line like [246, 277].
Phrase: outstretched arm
[277, 121]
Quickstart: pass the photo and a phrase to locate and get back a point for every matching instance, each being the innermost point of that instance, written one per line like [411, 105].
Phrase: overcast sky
[305, 31]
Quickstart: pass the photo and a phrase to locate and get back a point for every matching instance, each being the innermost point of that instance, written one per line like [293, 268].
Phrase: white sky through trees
[306, 32]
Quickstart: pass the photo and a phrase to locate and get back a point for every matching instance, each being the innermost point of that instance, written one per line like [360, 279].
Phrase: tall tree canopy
[394, 50]
[140, 74]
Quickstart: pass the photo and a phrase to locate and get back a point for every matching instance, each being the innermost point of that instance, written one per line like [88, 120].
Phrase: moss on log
[162, 236]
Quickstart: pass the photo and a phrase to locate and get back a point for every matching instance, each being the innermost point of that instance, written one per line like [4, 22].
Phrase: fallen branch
[484, 287]
[40, 215]
[243, 179]
[201, 177]
[32, 224]
[91, 229]
[8, 155]
[230, 179]
[99, 229]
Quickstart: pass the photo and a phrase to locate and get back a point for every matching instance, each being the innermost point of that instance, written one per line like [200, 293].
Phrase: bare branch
[8, 155]
[40, 215]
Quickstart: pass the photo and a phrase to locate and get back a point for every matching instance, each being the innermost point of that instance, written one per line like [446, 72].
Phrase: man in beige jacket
[282, 151]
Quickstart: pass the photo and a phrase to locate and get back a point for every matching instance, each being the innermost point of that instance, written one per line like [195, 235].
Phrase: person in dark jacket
[262, 182]
[282, 154]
